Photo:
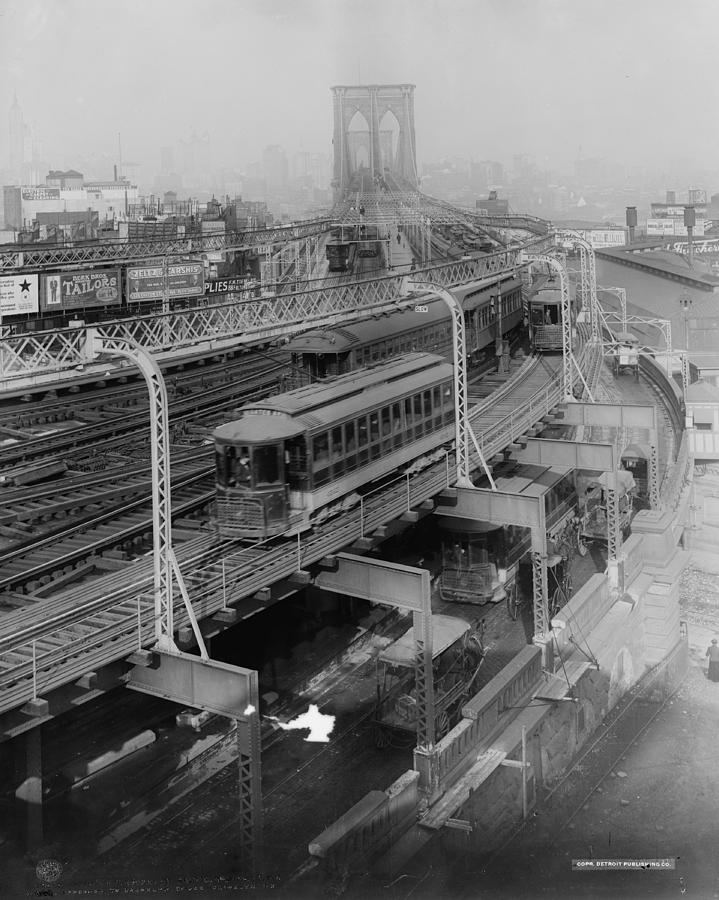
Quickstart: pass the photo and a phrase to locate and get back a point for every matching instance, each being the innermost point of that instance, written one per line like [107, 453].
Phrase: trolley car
[457, 655]
[481, 561]
[338, 253]
[545, 320]
[338, 349]
[292, 460]
[625, 355]
[593, 507]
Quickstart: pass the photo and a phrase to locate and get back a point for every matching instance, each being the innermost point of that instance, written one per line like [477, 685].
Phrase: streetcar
[338, 255]
[292, 460]
[482, 561]
[593, 506]
[335, 350]
[625, 354]
[545, 320]
[457, 655]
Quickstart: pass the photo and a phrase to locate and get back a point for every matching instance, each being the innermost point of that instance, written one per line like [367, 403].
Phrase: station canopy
[446, 630]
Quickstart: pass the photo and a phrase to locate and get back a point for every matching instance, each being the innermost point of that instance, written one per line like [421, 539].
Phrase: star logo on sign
[25, 286]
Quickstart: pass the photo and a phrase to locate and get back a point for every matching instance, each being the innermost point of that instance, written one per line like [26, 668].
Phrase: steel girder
[250, 791]
[261, 318]
[401, 587]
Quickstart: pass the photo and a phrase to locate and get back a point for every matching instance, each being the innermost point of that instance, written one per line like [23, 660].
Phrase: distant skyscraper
[275, 164]
[167, 160]
[17, 134]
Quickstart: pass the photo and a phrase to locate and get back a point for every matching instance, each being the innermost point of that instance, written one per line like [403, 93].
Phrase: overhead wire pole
[462, 428]
[163, 556]
[569, 363]
[589, 278]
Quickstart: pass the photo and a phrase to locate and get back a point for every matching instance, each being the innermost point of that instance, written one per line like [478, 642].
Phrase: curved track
[89, 626]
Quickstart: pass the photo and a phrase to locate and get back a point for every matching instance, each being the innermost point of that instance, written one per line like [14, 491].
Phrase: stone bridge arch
[373, 102]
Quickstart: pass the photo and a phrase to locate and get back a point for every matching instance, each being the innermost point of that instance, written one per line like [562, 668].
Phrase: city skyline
[592, 82]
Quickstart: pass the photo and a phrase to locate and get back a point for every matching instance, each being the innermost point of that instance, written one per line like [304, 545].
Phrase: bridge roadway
[83, 629]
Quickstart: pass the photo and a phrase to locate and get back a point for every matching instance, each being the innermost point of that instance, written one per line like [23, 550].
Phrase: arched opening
[358, 142]
[389, 139]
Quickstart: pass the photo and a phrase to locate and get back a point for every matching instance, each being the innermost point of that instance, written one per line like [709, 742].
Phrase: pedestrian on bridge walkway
[713, 654]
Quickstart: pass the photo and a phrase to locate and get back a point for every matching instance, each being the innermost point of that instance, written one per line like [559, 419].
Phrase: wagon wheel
[441, 723]
[514, 601]
[474, 654]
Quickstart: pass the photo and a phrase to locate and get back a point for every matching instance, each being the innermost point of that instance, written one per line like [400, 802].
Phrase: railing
[482, 716]
[258, 319]
[44, 669]
[42, 256]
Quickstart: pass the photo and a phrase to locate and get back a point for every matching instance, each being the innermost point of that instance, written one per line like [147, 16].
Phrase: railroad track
[107, 428]
[35, 565]
[92, 624]
[35, 513]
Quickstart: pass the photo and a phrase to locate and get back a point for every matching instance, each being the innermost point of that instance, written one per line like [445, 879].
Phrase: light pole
[462, 429]
[686, 303]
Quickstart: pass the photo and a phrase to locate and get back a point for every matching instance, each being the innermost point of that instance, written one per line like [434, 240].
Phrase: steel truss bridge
[30, 356]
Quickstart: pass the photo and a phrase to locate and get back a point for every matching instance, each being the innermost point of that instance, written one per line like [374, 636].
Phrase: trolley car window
[338, 461]
[321, 459]
[221, 463]
[408, 414]
[437, 400]
[447, 405]
[417, 400]
[397, 424]
[265, 464]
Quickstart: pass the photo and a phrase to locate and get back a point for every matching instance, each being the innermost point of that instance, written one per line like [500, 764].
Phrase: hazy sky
[623, 79]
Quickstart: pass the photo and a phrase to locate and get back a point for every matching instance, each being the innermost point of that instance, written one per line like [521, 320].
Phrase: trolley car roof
[342, 338]
[313, 398]
[256, 429]
[446, 630]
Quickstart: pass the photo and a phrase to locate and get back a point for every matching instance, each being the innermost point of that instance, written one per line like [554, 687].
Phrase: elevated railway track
[36, 359]
[85, 628]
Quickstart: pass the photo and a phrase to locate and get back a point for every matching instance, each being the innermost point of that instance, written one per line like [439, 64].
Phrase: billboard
[40, 193]
[183, 280]
[225, 285]
[75, 290]
[18, 294]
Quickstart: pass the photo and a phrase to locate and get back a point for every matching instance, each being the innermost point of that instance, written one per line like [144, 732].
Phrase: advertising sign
[225, 285]
[183, 280]
[73, 290]
[18, 294]
[41, 193]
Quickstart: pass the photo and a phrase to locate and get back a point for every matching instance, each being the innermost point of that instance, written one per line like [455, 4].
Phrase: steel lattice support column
[424, 679]
[462, 428]
[164, 562]
[540, 600]
[250, 788]
[653, 472]
[589, 278]
[615, 564]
